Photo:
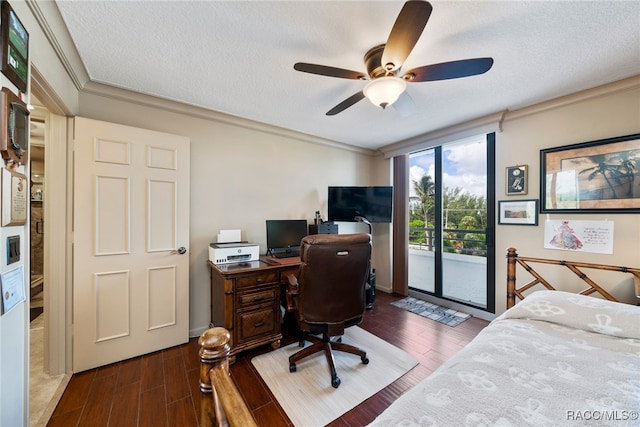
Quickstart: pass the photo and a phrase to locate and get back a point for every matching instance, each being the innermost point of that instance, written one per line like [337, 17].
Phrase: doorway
[450, 209]
[36, 169]
[44, 383]
[49, 338]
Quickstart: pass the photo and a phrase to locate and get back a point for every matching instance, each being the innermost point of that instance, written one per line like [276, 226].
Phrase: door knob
[182, 250]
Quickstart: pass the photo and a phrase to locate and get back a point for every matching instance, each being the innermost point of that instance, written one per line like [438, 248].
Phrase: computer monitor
[284, 235]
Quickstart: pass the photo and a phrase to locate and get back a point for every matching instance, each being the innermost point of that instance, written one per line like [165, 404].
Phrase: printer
[226, 253]
[230, 248]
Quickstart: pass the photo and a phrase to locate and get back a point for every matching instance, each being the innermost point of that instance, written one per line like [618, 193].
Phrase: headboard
[513, 259]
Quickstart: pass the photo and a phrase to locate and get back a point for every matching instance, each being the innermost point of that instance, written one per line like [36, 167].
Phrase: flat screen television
[373, 203]
[284, 235]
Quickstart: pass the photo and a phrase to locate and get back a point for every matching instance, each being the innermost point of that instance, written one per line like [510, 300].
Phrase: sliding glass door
[450, 221]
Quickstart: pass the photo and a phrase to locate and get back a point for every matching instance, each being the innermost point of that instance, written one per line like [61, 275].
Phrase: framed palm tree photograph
[592, 177]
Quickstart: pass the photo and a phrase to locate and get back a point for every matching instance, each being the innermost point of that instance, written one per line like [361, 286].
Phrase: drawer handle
[256, 299]
[259, 280]
[257, 325]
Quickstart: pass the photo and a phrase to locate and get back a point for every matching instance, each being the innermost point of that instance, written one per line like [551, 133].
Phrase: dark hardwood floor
[161, 389]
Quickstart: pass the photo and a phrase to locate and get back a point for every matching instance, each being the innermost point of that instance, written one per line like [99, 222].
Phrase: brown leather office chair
[329, 294]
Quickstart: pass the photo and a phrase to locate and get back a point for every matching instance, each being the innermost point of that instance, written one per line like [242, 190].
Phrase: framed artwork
[518, 212]
[15, 47]
[15, 196]
[516, 180]
[600, 176]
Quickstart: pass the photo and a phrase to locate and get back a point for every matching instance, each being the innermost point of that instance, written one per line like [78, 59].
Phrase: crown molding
[125, 95]
[485, 124]
[495, 122]
[630, 83]
[48, 17]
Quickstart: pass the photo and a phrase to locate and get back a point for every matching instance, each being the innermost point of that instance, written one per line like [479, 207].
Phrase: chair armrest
[293, 289]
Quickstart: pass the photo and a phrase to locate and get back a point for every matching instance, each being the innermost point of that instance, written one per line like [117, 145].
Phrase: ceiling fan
[383, 63]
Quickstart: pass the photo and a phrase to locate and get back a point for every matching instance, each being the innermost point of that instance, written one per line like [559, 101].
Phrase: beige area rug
[307, 395]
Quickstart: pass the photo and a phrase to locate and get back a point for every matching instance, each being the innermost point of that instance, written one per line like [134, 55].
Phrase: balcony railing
[455, 240]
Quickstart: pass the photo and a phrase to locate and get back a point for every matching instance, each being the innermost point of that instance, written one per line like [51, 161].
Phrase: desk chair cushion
[329, 293]
[333, 274]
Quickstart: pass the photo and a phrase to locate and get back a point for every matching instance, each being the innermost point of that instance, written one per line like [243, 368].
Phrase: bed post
[511, 277]
[221, 403]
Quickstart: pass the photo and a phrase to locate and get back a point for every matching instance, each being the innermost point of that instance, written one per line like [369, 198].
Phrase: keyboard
[287, 254]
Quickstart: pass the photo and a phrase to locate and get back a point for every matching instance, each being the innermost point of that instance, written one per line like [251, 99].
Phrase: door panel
[161, 215]
[131, 213]
[161, 288]
[113, 215]
[111, 288]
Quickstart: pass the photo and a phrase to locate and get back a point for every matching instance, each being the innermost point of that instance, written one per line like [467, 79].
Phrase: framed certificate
[15, 196]
[12, 287]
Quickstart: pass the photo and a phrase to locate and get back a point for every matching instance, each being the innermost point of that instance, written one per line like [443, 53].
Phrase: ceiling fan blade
[346, 103]
[405, 33]
[404, 104]
[324, 70]
[449, 70]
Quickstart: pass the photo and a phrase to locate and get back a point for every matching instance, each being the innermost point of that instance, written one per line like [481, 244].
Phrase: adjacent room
[319, 213]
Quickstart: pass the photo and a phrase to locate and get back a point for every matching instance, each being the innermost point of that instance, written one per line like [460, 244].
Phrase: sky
[464, 165]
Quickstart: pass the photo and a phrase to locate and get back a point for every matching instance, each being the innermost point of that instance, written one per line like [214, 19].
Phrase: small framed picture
[517, 180]
[518, 212]
[14, 39]
[15, 195]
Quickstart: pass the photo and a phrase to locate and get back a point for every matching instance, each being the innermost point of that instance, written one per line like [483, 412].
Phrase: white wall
[240, 177]
[601, 113]
[14, 326]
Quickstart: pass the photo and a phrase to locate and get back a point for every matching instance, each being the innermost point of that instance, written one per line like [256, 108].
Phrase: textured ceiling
[237, 57]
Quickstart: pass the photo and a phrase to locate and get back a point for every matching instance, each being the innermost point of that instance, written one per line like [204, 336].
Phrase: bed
[554, 358]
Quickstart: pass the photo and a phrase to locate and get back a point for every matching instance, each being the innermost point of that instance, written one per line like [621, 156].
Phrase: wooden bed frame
[513, 291]
[223, 405]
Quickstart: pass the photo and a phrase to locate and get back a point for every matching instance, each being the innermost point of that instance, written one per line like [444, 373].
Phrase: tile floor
[44, 390]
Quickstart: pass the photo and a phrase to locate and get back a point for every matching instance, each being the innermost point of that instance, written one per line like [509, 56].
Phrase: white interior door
[131, 234]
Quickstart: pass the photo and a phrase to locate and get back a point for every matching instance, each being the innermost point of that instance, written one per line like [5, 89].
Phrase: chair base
[325, 344]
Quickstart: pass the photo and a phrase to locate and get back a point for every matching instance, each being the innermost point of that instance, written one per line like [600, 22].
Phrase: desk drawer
[256, 323]
[267, 296]
[257, 279]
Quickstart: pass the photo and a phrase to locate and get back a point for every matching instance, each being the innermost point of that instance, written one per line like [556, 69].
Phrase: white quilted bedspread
[554, 359]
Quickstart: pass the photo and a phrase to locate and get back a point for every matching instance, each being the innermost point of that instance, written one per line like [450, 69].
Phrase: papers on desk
[229, 236]
[12, 284]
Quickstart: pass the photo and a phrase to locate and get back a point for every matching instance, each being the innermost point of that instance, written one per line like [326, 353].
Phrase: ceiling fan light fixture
[384, 91]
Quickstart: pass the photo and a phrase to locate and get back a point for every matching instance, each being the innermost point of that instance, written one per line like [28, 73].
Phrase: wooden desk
[245, 299]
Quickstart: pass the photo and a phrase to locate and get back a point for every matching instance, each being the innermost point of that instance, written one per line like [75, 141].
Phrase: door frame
[436, 297]
[57, 227]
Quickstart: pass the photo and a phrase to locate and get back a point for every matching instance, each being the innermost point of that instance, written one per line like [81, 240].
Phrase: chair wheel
[292, 367]
[365, 360]
[335, 382]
